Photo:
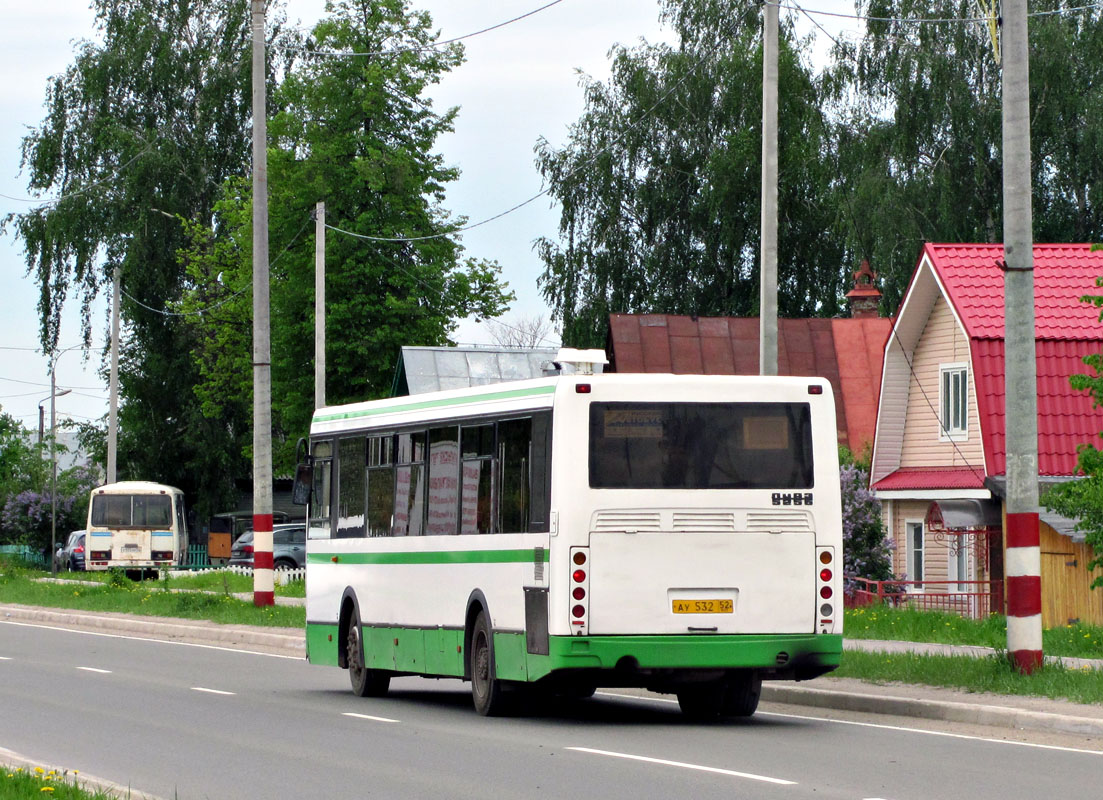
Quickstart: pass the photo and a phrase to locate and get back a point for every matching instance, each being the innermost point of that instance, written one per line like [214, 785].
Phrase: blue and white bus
[136, 526]
[673, 532]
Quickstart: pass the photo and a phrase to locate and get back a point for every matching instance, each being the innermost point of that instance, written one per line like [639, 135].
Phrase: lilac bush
[867, 551]
[25, 517]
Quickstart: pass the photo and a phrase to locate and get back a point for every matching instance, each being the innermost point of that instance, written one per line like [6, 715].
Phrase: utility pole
[320, 305]
[263, 578]
[1023, 562]
[767, 294]
[113, 407]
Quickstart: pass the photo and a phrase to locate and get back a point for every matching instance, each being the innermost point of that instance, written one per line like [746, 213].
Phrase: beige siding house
[938, 458]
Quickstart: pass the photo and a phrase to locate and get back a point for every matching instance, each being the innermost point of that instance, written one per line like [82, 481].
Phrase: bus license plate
[716, 606]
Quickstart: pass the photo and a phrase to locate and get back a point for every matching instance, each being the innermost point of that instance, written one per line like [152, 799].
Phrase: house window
[914, 533]
[953, 401]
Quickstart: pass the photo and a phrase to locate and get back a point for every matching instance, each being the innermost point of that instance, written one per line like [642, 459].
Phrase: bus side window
[351, 487]
[540, 474]
[409, 491]
[477, 479]
[444, 480]
[514, 464]
[320, 494]
[380, 485]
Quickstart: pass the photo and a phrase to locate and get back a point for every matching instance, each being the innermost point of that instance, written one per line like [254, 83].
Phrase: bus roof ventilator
[570, 360]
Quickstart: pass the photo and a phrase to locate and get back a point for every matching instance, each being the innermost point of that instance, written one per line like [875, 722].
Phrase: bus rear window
[700, 446]
[132, 511]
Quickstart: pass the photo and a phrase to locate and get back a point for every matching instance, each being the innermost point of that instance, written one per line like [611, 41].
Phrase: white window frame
[947, 429]
[913, 573]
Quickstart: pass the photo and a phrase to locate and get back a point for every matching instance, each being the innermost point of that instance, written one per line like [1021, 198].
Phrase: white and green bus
[138, 526]
[674, 532]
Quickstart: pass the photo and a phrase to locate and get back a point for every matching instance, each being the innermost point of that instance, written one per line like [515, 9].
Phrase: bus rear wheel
[365, 682]
[741, 693]
[487, 691]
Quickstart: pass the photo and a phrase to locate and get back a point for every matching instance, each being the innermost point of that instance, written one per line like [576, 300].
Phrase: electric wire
[585, 163]
[934, 20]
[420, 49]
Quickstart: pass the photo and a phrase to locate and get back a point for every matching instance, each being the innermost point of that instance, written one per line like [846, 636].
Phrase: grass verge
[122, 595]
[17, 783]
[209, 580]
[911, 625]
[992, 675]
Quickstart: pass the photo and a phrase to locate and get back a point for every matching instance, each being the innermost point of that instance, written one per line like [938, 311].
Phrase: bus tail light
[580, 591]
[161, 555]
[100, 555]
[825, 590]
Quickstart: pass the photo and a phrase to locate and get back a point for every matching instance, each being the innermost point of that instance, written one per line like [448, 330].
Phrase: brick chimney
[864, 297]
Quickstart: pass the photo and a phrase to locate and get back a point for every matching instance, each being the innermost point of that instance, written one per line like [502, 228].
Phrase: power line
[54, 201]
[419, 49]
[931, 20]
[587, 162]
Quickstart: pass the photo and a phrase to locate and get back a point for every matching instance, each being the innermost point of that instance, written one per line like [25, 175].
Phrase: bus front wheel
[486, 690]
[365, 682]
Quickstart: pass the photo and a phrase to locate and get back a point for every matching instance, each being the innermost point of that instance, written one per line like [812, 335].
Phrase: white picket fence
[282, 576]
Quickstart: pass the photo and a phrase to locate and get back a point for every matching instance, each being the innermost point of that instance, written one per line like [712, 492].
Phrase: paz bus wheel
[365, 682]
[486, 690]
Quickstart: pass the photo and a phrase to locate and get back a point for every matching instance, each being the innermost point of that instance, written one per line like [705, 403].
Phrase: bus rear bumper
[636, 658]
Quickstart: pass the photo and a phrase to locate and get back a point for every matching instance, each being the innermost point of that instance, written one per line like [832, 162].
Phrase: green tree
[22, 466]
[356, 132]
[918, 135]
[659, 182]
[142, 130]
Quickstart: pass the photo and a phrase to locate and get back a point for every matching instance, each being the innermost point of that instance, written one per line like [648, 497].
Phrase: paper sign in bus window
[633, 423]
[765, 433]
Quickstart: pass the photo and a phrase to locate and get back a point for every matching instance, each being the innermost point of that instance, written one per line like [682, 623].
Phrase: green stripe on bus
[431, 557]
[424, 404]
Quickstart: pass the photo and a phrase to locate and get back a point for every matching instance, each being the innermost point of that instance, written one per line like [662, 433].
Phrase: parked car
[288, 547]
[71, 555]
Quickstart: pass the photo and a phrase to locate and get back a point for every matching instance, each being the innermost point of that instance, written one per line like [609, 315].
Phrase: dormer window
[953, 397]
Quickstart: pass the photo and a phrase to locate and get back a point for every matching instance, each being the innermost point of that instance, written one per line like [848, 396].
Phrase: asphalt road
[190, 722]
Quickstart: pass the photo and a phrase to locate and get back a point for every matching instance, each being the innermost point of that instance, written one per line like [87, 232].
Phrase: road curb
[946, 710]
[274, 642]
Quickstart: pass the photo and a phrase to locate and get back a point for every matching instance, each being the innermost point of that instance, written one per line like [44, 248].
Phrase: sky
[519, 83]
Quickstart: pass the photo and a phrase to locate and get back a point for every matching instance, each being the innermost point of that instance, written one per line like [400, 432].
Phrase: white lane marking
[699, 767]
[900, 728]
[368, 716]
[150, 639]
[211, 691]
[93, 669]
[5, 658]
[946, 734]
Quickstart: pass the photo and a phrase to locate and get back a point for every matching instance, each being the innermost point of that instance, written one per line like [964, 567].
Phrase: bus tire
[701, 703]
[365, 682]
[741, 694]
[487, 691]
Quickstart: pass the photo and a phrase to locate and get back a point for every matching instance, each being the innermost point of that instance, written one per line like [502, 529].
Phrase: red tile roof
[1062, 274]
[848, 352]
[1066, 330]
[932, 478]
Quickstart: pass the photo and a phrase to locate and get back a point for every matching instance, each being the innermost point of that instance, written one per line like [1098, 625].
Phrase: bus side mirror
[304, 475]
[300, 490]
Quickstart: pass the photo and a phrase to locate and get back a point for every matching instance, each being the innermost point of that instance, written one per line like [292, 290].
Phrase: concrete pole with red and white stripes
[1023, 563]
[263, 577]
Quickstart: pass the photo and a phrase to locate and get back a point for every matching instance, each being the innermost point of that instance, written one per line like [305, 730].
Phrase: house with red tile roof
[847, 352]
[939, 460]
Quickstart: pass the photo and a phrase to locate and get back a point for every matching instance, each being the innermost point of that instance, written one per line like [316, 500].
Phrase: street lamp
[54, 394]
